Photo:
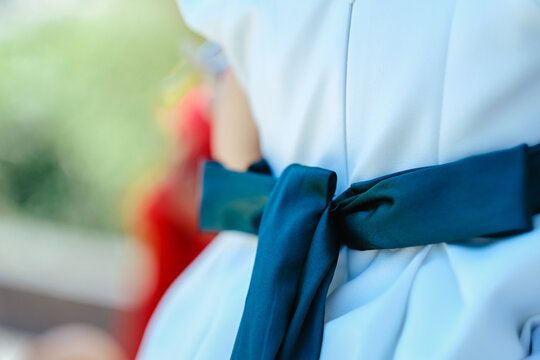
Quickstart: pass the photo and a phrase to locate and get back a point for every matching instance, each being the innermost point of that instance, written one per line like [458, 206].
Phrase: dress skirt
[445, 301]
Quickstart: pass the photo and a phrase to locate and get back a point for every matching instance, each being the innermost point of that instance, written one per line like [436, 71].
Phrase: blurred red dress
[167, 221]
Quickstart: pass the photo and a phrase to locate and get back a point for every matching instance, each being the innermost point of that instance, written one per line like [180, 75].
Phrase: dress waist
[299, 223]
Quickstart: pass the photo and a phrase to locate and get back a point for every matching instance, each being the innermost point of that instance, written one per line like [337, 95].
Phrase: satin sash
[301, 227]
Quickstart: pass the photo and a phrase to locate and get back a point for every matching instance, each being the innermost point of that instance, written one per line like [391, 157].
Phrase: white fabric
[366, 88]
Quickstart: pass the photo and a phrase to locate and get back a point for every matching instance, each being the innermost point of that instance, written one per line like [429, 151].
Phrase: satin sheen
[482, 196]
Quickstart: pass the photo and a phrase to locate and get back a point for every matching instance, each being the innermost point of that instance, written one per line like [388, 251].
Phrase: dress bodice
[336, 84]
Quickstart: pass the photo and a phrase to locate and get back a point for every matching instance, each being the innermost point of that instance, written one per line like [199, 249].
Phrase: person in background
[167, 218]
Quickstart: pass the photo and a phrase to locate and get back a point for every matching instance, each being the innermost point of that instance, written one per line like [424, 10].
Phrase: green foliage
[78, 95]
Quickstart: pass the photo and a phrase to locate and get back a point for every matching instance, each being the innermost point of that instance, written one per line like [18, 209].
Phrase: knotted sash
[301, 228]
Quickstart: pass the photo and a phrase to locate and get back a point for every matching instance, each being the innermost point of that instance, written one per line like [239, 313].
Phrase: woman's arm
[235, 139]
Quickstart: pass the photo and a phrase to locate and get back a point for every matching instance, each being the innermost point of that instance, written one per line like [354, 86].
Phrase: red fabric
[168, 218]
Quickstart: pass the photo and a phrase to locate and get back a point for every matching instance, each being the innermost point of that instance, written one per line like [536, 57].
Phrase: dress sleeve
[232, 24]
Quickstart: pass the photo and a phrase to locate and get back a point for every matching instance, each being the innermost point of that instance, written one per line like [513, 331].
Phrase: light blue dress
[367, 88]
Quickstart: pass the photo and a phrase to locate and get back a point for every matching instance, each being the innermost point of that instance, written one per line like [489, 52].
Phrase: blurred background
[90, 94]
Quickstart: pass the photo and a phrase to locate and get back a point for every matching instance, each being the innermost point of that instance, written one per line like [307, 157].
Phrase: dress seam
[443, 87]
[345, 92]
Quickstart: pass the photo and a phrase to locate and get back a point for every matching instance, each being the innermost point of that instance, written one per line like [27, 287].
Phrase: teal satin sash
[301, 227]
